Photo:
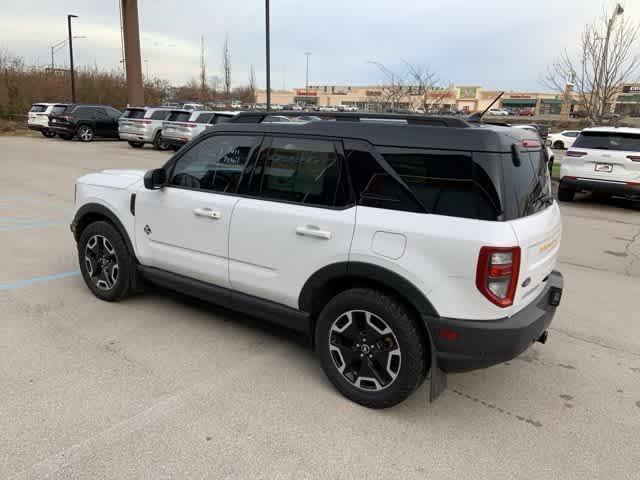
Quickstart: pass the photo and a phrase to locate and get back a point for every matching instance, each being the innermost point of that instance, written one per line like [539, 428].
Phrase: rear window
[179, 116]
[38, 108]
[526, 184]
[59, 109]
[133, 113]
[204, 118]
[629, 142]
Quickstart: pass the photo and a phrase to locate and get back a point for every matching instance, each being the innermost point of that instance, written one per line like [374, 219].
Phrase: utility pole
[73, 76]
[306, 95]
[266, 16]
[203, 73]
[135, 90]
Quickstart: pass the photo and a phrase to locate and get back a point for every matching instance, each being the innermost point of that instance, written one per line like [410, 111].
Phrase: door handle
[313, 231]
[207, 212]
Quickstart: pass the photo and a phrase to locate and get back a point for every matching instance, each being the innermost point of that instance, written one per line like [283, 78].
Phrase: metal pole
[52, 64]
[266, 5]
[306, 100]
[73, 76]
[133, 64]
[603, 68]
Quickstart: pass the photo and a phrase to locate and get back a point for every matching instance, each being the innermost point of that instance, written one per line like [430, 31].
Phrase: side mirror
[155, 179]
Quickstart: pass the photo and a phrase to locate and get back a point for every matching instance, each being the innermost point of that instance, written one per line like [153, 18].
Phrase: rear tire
[370, 348]
[158, 143]
[558, 145]
[135, 144]
[85, 133]
[66, 136]
[107, 266]
[565, 194]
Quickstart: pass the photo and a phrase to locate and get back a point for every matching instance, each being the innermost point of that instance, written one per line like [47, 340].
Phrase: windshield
[628, 142]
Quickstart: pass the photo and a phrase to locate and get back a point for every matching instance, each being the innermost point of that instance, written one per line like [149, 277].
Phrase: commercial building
[459, 98]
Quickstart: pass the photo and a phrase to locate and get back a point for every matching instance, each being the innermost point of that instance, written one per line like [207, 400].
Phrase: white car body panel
[141, 129]
[567, 140]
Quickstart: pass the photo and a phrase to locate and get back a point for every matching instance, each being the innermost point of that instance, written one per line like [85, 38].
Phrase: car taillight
[532, 144]
[634, 158]
[574, 153]
[497, 274]
[146, 122]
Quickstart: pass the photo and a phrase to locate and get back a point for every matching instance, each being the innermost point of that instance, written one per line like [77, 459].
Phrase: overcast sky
[501, 44]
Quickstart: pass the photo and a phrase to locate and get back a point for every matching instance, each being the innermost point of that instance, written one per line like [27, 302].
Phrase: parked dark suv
[86, 122]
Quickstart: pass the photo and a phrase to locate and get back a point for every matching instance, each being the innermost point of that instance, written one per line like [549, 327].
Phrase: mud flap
[437, 378]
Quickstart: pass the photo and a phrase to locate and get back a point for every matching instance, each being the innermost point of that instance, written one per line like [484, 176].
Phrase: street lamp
[73, 76]
[306, 100]
[266, 18]
[603, 68]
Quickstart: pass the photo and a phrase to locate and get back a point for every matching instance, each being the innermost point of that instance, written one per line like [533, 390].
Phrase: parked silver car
[182, 127]
[140, 125]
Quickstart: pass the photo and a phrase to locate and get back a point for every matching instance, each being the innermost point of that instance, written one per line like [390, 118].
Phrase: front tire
[370, 348]
[106, 264]
[160, 144]
[85, 133]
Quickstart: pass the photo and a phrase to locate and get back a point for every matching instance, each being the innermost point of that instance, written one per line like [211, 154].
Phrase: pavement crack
[500, 410]
[594, 342]
[630, 253]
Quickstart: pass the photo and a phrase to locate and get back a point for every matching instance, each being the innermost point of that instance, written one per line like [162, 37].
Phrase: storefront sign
[303, 93]
[373, 93]
[631, 89]
[468, 92]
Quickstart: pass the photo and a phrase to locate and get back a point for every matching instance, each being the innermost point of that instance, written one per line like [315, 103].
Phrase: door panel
[271, 256]
[185, 232]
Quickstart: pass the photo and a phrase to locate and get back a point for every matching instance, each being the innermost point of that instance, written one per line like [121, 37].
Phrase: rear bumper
[173, 142]
[480, 344]
[38, 127]
[603, 186]
[136, 137]
[64, 130]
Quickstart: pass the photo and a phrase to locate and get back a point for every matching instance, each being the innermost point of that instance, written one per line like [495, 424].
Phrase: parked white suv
[604, 161]
[424, 244]
[182, 127]
[140, 125]
[38, 117]
[498, 112]
[563, 140]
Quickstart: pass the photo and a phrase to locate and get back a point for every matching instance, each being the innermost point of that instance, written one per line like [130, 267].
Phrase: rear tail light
[574, 153]
[146, 122]
[634, 158]
[497, 274]
[188, 125]
[531, 144]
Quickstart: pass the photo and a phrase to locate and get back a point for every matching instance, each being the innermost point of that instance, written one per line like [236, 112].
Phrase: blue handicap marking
[41, 279]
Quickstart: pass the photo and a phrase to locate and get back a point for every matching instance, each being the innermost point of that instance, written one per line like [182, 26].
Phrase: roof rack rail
[412, 119]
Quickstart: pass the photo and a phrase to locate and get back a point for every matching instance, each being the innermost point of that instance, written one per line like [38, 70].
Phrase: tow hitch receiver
[543, 338]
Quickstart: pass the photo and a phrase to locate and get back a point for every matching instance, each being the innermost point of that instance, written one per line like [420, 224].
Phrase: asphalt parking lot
[160, 386]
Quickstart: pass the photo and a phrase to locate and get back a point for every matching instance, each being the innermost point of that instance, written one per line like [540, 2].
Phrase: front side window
[100, 114]
[302, 171]
[214, 164]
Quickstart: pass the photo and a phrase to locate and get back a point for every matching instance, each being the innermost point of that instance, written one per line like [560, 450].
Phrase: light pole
[73, 76]
[306, 95]
[266, 18]
[57, 46]
[603, 68]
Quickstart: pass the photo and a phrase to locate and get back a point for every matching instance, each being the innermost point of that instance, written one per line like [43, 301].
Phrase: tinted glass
[160, 115]
[214, 164]
[222, 118]
[134, 113]
[58, 109]
[100, 113]
[526, 185]
[629, 142]
[300, 170]
[204, 118]
[112, 112]
[85, 112]
[179, 116]
[38, 108]
[445, 183]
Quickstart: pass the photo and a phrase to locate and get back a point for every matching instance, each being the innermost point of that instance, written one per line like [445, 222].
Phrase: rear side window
[178, 116]
[526, 184]
[629, 142]
[446, 183]
[38, 108]
[160, 115]
[84, 112]
[134, 113]
[302, 171]
[204, 118]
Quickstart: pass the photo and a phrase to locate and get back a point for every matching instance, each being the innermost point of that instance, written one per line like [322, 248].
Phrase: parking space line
[35, 280]
[25, 226]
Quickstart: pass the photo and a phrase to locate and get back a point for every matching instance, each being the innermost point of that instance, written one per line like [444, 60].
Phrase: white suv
[604, 161]
[183, 127]
[563, 140]
[424, 244]
[38, 117]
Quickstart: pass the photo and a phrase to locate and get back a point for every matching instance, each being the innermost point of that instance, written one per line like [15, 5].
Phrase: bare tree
[252, 85]
[607, 57]
[416, 80]
[226, 68]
